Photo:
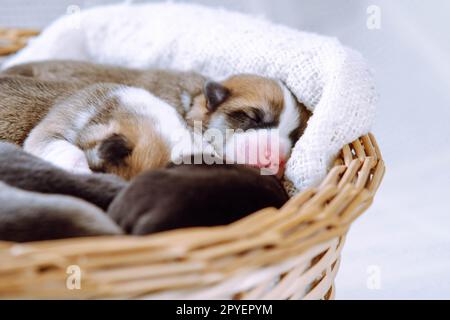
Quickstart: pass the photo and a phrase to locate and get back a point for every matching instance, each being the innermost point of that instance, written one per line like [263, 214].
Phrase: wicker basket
[291, 253]
[12, 40]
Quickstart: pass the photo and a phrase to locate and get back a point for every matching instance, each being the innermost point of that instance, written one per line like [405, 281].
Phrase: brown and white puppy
[102, 127]
[108, 128]
[258, 118]
[241, 102]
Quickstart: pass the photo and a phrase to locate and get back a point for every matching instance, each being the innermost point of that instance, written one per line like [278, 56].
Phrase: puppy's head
[255, 114]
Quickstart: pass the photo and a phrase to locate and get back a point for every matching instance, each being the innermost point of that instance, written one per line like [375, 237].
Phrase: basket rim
[14, 39]
[199, 258]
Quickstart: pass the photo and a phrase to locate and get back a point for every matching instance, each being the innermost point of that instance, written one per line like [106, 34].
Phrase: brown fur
[193, 196]
[248, 92]
[167, 85]
[31, 216]
[24, 102]
[28, 92]
[248, 95]
[41, 202]
[147, 149]
[24, 171]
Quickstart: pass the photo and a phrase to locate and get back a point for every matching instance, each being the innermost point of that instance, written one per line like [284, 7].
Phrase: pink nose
[271, 159]
[264, 152]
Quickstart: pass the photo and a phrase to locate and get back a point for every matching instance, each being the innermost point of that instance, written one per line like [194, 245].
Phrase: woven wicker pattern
[12, 40]
[291, 253]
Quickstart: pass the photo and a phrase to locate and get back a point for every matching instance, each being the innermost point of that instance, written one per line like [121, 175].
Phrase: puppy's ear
[215, 94]
[114, 149]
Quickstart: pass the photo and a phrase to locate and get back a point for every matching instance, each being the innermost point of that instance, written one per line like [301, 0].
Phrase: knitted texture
[333, 81]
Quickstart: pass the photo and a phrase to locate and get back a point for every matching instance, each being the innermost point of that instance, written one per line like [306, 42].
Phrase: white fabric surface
[331, 80]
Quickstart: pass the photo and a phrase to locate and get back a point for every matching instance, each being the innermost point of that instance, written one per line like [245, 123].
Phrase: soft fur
[170, 86]
[240, 102]
[45, 206]
[22, 170]
[194, 195]
[246, 101]
[24, 102]
[106, 128]
[30, 216]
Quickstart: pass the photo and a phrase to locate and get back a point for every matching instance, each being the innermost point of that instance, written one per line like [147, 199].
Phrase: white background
[405, 235]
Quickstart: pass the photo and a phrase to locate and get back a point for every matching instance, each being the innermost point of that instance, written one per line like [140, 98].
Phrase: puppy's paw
[66, 156]
[79, 165]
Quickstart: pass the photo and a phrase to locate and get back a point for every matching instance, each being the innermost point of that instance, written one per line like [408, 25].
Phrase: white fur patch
[186, 101]
[165, 119]
[92, 155]
[290, 116]
[83, 118]
[79, 123]
[218, 122]
[65, 155]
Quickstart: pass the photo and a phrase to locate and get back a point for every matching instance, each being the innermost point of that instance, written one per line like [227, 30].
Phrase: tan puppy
[117, 128]
[102, 127]
[241, 102]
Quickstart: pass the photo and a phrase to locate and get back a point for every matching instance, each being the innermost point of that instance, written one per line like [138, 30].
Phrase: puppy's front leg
[58, 151]
[66, 155]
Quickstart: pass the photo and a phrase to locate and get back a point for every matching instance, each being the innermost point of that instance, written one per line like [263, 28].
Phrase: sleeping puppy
[31, 216]
[194, 195]
[102, 127]
[25, 171]
[110, 128]
[42, 202]
[225, 108]
[159, 200]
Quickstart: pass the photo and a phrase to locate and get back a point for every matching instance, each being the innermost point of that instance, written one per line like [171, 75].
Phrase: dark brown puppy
[194, 195]
[25, 171]
[32, 216]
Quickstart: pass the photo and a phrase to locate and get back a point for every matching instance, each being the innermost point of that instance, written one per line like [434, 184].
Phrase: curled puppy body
[24, 171]
[107, 128]
[194, 195]
[102, 127]
[31, 216]
[240, 102]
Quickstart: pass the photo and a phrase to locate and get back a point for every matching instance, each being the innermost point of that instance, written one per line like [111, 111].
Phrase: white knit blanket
[333, 81]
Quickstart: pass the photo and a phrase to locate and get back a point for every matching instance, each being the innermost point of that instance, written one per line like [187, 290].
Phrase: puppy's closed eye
[250, 119]
[253, 116]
